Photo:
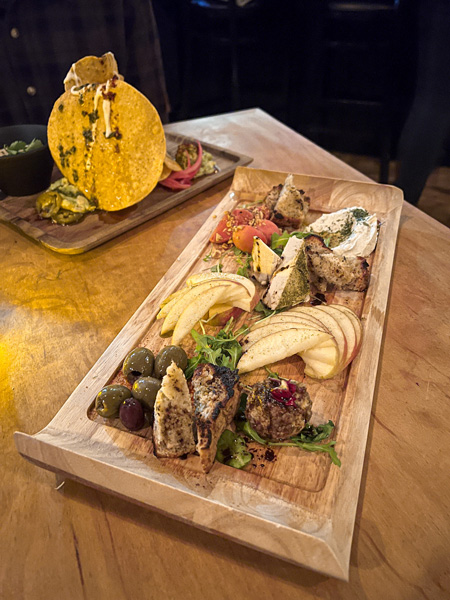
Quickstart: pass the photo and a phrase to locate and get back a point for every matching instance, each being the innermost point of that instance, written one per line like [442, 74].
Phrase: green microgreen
[322, 433]
[222, 350]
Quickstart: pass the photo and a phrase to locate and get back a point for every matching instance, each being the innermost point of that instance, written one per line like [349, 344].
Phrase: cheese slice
[290, 282]
[173, 433]
[265, 261]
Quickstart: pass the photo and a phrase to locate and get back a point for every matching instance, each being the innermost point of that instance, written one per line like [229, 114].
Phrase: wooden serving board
[101, 226]
[299, 507]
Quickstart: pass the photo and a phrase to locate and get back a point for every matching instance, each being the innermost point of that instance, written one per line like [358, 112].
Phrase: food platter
[101, 226]
[300, 508]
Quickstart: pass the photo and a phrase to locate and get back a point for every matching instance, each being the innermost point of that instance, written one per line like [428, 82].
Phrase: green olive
[165, 358]
[48, 204]
[139, 362]
[110, 398]
[145, 389]
[66, 217]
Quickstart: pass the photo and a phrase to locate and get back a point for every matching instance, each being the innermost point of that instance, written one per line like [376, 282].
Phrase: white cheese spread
[350, 231]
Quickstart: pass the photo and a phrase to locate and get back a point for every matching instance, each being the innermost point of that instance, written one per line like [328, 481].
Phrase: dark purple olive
[131, 414]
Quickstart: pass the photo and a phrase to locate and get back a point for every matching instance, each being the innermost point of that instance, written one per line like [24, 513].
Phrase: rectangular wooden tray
[100, 226]
[300, 508]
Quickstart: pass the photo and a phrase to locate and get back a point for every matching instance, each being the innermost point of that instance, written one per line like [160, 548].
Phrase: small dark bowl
[30, 172]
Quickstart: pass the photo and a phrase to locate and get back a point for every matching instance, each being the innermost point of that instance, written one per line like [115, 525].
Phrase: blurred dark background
[341, 73]
[344, 74]
[368, 80]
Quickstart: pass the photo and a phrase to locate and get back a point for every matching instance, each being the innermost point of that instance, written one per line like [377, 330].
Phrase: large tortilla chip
[115, 161]
[92, 69]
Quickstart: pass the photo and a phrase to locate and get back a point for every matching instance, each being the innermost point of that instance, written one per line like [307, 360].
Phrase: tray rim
[322, 551]
[175, 199]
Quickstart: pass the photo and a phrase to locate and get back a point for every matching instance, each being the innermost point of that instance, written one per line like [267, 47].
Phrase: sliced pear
[348, 328]
[257, 334]
[208, 276]
[333, 326]
[236, 295]
[176, 294]
[167, 304]
[322, 361]
[288, 317]
[326, 352]
[217, 309]
[196, 310]
[280, 345]
[355, 320]
[185, 300]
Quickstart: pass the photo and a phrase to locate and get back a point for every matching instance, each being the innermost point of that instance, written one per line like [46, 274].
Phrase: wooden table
[57, 315]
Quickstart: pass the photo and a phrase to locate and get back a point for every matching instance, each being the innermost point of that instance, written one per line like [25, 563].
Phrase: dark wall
[344, 78]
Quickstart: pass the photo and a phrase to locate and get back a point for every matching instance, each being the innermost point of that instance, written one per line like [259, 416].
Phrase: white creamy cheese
[351, 234]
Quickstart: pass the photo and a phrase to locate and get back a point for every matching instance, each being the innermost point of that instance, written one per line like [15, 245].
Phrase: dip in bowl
[25, 173]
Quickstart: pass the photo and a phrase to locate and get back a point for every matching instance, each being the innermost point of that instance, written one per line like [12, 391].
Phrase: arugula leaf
[272, 373]
[260, 308]
[310, 433]
[279, 240]
[217, 268]
[222, 350]
[309, 446]
[232, 450]
[247, 430]
[244, 260]
[243, 272]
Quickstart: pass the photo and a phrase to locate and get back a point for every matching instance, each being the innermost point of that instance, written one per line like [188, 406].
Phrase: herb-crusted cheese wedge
[173, 426]
[265, 261]
[290, 283]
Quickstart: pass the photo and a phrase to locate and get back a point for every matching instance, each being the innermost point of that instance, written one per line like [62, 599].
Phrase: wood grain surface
[298, 507]
[60, 312]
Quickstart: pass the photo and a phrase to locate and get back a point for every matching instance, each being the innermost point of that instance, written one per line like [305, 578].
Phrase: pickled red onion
[180, 180]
